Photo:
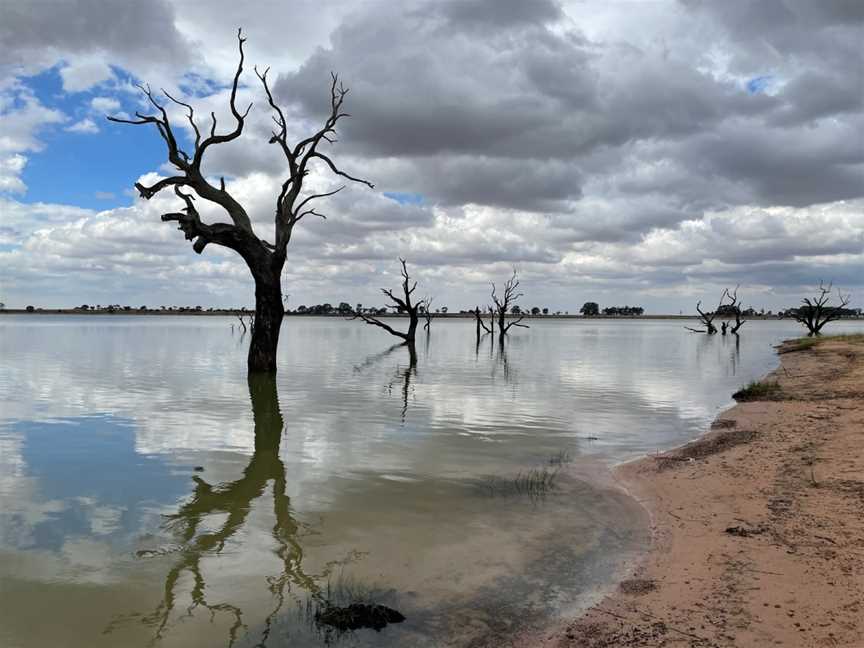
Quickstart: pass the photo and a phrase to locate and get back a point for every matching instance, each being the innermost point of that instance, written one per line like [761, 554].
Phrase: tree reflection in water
[235, 499]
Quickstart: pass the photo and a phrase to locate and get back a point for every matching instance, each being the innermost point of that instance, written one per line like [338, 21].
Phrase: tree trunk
[412, 326]
[268, 321]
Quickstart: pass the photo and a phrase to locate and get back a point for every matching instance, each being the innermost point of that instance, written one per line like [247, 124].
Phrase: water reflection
[234, 500]
[103, 419]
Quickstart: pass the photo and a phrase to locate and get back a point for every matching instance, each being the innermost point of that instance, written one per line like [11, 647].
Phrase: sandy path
[758, 527]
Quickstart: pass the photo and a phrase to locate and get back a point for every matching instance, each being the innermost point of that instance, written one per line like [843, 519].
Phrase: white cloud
[84, 73]
[11, 167]
[22, 116]
[86, 125]
[104, 105]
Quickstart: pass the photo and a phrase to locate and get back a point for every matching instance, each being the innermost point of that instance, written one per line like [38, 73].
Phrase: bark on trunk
[412, 326]
[268, 321]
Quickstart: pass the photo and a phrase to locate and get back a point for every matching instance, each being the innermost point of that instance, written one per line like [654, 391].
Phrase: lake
[151, 495]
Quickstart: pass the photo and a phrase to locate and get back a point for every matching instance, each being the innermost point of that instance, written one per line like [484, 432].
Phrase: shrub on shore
[759, 390]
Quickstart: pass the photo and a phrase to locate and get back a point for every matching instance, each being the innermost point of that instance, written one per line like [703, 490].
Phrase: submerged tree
[505, 303]
[402, 304]
[264, 259]
[481, 324]
[817, 311]
[733, 309]
[707, 318]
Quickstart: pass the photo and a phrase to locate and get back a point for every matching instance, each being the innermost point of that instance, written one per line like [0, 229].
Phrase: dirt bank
[758, 527]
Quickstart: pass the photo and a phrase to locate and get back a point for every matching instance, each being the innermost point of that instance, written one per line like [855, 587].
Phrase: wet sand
[758, 527]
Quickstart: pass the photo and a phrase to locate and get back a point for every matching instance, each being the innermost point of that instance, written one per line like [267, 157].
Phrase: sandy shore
[758, 527]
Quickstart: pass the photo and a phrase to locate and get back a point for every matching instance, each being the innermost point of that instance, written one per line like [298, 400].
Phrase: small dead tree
[505, 303]
[264, 259]
[481, 324]
[817, 311]
[707, 319]
[402, 304]
[733, 307]
[426, 311]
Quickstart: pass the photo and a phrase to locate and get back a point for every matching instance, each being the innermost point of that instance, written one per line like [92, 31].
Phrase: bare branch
[333, 168]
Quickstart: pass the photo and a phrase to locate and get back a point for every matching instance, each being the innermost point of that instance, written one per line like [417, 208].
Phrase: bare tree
[426, 310]
[402, 304]
[708, 318]
[505, 303]
[817, 311]
[264, 259]
[733, 307]
[481, 324]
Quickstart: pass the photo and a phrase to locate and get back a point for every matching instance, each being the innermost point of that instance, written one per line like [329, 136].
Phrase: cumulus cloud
[649, 148]
[86, 125]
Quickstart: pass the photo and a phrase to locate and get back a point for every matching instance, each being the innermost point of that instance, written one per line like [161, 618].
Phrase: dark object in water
[198, 469]
[358, 615]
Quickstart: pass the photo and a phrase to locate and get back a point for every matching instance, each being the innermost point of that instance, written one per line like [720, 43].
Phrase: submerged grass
[534, 482]
[759, 390]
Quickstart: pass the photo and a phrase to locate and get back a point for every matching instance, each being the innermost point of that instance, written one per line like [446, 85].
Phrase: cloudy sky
[644, 151]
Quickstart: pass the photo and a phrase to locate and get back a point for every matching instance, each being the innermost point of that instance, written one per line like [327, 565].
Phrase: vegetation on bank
[805, 343]
[759, 390]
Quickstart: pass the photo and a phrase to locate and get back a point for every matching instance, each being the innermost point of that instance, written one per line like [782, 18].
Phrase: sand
[758, 527]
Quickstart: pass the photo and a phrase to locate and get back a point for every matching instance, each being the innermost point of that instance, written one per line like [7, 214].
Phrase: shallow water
[149, 494]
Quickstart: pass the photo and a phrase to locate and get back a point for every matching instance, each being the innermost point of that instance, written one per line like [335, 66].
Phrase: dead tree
[426, 309]
[402, 305]
[264, 259]
[708, 318]
[817, 311]
[504, 303]
[733, 307]
[481, 324]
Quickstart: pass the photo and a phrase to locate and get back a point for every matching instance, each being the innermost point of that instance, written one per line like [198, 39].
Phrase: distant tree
[444, 310]
[817, 311]
[345, 308]
[30, 309]
[264, 259]
[590, 309]
[359, 307]
[402, 304]
[516, 310]
[545, 311]
[301, 308]
[535, 310]
[142, 308]
[506, 302]
[84, 307]
[623, 311]
[481, 324]
[733, 309]
[425, 309]
[707, 317]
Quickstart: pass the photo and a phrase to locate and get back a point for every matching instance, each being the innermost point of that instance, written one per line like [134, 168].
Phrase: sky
[643, 152]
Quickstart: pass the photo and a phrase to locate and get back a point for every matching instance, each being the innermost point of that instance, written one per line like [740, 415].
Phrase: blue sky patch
[92, 170]
[405, 198]
[759, 84]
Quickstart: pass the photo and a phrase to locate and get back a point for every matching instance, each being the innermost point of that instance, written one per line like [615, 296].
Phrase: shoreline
[757, 526]
[458, 315]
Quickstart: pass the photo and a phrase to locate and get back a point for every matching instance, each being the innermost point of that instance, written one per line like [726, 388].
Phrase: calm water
[151, 495]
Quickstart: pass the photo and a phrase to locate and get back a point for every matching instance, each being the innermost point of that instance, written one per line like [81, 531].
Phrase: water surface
[151, 495]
